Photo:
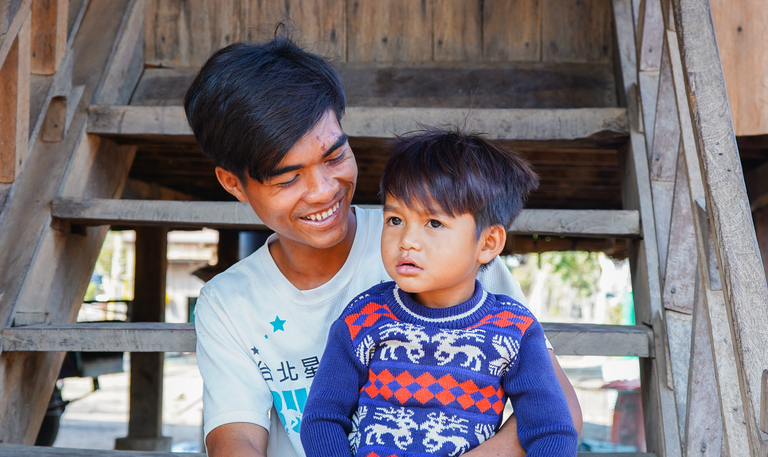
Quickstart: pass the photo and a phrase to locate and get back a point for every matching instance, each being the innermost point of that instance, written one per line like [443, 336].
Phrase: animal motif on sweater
[438, 426]
[396, 422]
[448, 348]
[403, 335]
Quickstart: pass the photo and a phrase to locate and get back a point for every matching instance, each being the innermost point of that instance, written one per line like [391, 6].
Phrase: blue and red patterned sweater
[401, 379]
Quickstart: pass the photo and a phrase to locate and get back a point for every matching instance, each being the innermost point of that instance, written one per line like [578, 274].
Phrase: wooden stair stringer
[40, 261]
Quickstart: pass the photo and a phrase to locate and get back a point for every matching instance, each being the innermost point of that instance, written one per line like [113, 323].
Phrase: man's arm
[239, 439]
[570, 393]
[505, 442]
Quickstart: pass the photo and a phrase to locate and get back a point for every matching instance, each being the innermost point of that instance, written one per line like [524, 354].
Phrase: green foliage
[91, 292]
[579, 270]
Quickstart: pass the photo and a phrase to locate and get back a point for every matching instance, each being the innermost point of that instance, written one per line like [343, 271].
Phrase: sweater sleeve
[333, 397]
[544, 423]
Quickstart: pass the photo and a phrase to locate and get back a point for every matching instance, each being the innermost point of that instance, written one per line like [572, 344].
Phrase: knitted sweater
[401, 379]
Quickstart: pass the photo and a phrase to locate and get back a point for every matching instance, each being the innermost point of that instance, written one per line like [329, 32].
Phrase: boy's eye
[435, 223]
[394, 221]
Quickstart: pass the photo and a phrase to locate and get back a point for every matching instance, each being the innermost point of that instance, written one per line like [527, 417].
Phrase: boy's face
[307, 202]
[433, 256]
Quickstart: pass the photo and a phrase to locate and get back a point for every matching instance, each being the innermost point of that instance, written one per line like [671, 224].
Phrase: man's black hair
[250, 103]
[459, 173]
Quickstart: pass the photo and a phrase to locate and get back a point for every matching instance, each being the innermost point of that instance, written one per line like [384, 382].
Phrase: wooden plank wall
[184, 34]
[742, 29]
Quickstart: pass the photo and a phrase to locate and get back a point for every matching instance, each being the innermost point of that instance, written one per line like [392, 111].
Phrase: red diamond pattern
[467, 394]
[373, 454]
[505, 319]
[367, 316]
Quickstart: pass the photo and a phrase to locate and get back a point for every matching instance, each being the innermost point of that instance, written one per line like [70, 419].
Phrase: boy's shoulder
[376, 294]
[506, 315]
[507, 303]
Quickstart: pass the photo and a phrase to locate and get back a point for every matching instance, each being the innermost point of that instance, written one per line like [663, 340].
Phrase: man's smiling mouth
[317, 217]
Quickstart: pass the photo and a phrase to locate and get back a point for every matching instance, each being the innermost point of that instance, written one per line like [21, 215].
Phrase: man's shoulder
[236, 279]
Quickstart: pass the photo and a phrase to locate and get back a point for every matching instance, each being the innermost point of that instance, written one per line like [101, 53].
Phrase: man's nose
[321, 186]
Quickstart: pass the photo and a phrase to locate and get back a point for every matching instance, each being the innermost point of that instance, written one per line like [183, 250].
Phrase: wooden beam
[661, 424]
[145, 423]
[49, 35]
[497, 124]
[680, 271]
[734, 427]
[102, 337]
[94, 212]
[14, 105]
[33, 277]
[568, 339]
[15, 450]
[744, 282]
[703, 419]
[510, 83]
[16, 12]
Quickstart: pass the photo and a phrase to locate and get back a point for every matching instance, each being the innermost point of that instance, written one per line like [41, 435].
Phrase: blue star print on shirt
[277, 324]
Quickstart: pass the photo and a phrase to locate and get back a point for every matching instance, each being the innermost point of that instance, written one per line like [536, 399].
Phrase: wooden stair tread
[181, 214]
[148, 122]
[438, 84]
[16, 450]
[568, 339]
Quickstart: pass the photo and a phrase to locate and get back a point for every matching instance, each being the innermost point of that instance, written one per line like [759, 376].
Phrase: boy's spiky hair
[458, 172]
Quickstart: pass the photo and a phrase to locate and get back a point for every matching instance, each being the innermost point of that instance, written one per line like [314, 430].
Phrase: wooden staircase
[700, 293]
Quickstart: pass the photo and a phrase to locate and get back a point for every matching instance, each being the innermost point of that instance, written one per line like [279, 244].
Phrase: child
[424, 365]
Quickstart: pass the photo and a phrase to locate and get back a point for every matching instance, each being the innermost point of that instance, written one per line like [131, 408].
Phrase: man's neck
[307, 267]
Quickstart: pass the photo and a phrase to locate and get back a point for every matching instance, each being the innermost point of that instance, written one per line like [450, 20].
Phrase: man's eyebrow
[339, 143]
[289, 168]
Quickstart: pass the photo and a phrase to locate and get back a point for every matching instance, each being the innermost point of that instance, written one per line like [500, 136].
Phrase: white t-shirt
[259, 338]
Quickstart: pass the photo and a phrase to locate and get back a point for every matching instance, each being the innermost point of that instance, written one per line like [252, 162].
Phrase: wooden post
[145, 425]
[659, 408]
[727, 207]
[14, 105]
[49, 35]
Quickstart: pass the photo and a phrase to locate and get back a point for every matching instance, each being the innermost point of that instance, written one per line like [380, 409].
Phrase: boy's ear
[493, 240]
[231, 183]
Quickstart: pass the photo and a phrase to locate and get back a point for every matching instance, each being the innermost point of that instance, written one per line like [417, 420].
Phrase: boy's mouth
[406, 265]
[322, 215]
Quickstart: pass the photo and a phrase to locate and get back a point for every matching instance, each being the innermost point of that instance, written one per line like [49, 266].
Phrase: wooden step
[150, 122]
[568, 339]
[179, 214]
[15, 450]
[437, 84]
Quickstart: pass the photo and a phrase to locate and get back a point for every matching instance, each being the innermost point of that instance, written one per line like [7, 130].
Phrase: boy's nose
[410, 241]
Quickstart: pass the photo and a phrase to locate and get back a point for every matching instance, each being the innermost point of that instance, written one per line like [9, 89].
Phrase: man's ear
[231, 183]
[492, 242]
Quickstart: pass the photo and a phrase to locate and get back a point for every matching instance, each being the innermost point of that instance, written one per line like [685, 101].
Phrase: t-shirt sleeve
[233, 387]
[333, 398]
[544, 424]
[497, 279]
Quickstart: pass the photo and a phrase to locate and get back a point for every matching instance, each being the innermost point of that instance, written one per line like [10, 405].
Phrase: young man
[268, 116]
[422, 366]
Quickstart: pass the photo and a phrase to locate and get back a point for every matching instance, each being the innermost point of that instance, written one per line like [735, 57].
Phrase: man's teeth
[324, 215]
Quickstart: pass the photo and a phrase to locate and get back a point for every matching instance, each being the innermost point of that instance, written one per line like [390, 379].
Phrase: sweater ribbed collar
[458, 316]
